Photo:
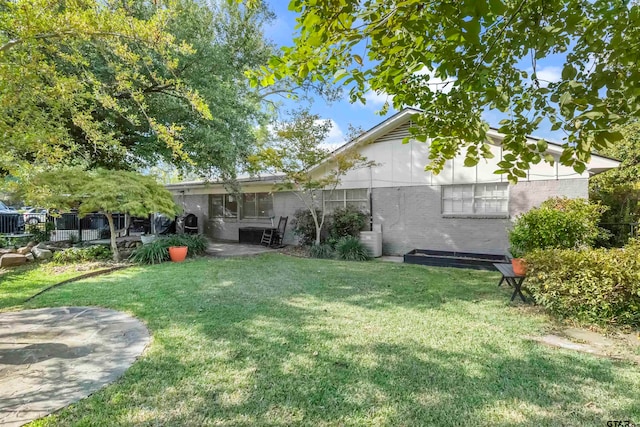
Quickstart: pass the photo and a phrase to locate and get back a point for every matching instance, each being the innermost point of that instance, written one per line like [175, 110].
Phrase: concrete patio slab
[52, 357]
[389, 258]
[225, 249]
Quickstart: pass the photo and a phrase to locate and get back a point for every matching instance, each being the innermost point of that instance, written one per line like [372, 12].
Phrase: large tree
[125, 85]
[61, 63]
[455, 60]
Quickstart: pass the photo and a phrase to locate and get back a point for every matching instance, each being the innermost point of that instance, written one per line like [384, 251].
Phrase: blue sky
[342, 112]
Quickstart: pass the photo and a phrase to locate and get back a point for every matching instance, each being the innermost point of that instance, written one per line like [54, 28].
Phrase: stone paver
[389, 258]
[223, 249]
[590, 342]
[52, 357]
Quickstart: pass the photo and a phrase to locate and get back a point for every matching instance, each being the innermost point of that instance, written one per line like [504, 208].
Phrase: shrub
[41, 233]
[558, 223]
[196, 243]
[348, 221]
[351, 249]
[592, 285]
[90, 253]
[322, 250]
[157, 251]
[305, 228]
[151, 253]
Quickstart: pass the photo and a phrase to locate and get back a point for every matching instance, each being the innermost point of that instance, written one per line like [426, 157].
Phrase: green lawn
[19, 283]
[275, 340]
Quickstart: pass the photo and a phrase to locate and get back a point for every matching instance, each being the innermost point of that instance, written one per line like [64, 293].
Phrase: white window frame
[477, 195]
[342, 197]
[255, 195]
[224, 206]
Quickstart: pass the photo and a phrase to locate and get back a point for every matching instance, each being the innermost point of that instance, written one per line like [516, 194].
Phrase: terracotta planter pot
[519, 266]
[177, 253]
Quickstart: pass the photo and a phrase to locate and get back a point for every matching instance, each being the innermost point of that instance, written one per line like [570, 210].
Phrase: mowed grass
[275, 341]
[19, 283]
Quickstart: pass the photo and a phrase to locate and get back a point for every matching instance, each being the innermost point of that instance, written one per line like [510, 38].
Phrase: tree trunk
[318, 227]
[114, 245]
[127, 223]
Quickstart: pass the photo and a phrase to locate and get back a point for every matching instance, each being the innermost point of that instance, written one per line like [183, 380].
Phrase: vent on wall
[396, 134]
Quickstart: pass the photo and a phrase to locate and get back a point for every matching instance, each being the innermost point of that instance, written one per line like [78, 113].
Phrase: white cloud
[549, 74]
[335, 138]
[436, 84]
[377, 99]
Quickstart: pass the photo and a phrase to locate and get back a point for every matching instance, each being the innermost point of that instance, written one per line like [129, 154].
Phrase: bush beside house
[157, 251]
[591, 285]
[566, 275]
[339, 236]
[560, 223]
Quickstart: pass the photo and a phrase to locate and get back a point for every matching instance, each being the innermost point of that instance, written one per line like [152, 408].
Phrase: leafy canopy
[100, 190]
[128, 85]
[296, 150]
[455, 60]
[61, 63]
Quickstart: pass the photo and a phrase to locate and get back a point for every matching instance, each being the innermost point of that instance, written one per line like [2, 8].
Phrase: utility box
[373, 241]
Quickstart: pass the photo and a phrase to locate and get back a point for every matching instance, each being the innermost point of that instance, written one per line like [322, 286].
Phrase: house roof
[599, 163]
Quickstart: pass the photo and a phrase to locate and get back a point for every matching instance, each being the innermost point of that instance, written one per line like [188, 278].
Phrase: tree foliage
[557, 223]
[125, 85]
[619, 189]
[100, 190]
[296, 151]
[61, 63]
[455, 60]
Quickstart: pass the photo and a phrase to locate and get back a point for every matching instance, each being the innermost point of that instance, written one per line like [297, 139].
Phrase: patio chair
[273, 236]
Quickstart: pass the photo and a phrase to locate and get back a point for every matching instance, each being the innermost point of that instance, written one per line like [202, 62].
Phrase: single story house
[461, 209]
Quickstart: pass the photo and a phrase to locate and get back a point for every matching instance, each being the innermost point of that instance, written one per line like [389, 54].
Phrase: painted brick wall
[526, 195]
[411, 217]
[284, 204]
[197, 205]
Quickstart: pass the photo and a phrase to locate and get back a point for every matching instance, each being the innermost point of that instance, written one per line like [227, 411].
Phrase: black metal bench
[512, 279]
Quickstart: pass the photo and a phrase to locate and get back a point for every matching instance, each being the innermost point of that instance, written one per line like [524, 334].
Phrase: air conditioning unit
[373, 241]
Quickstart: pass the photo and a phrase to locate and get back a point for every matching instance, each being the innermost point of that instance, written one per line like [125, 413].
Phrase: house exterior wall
[399, 165]
[407, 200]
[527, 195]
[411, 217]
[197, 205]
[284, 204]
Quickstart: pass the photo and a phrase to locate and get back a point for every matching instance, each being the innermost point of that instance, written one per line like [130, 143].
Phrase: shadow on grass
[279, 341]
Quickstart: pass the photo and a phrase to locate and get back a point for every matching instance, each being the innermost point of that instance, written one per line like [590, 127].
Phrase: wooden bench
[512, 279]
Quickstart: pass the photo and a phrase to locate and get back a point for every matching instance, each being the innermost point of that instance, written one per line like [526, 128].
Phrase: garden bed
[476, 261]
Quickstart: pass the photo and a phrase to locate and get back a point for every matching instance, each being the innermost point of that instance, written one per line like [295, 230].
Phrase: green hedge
[345, 222]
[590, 285]
[558, 223]
[90, 253]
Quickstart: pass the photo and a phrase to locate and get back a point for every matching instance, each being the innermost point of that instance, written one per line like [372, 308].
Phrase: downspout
[370, 199]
